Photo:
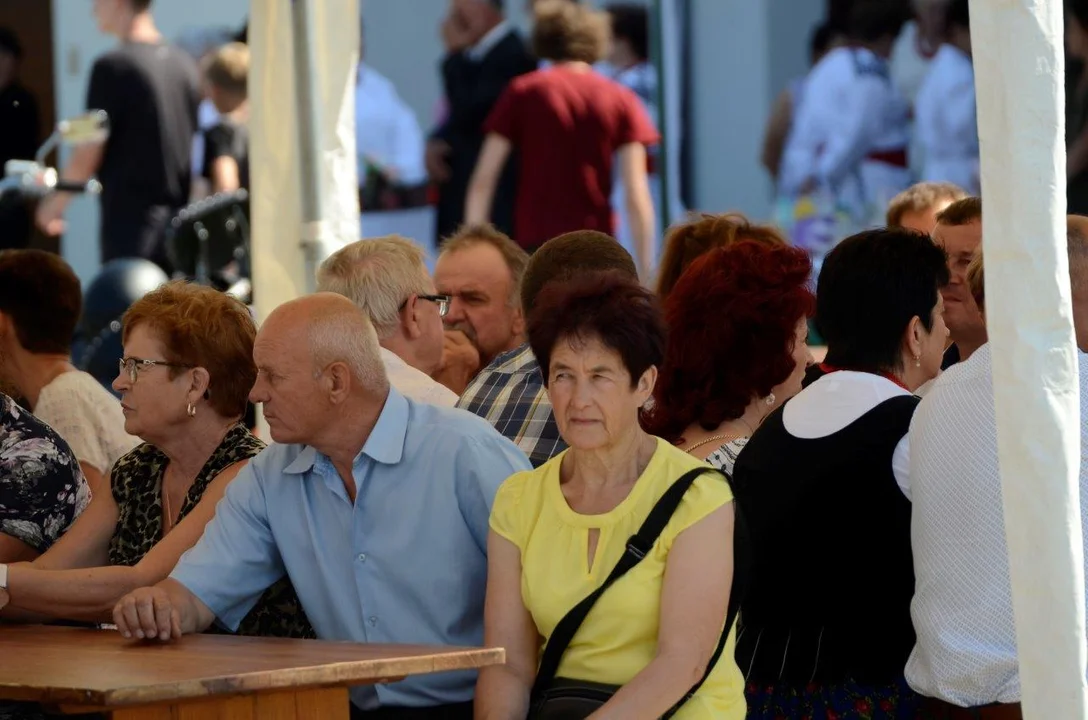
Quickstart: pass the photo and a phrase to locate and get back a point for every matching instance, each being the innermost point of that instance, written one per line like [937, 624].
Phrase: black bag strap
[637, 547]
[742, 564]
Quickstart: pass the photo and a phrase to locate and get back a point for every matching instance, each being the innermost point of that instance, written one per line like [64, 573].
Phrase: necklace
[168, 522]
[723, 436]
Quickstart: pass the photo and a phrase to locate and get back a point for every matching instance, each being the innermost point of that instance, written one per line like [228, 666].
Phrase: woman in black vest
[826, 628]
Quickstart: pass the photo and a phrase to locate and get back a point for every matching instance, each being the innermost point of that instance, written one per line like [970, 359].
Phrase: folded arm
[64, 587]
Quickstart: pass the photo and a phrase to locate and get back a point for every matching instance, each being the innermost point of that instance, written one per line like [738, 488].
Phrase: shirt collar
[385, 444]
[480, 50]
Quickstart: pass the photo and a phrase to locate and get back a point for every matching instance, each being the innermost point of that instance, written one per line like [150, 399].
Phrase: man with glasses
[386, 277]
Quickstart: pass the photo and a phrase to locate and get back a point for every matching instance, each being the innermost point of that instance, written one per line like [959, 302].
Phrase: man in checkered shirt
[509, 393]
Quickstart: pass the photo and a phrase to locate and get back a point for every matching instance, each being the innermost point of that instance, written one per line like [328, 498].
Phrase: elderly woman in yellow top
[558, 531]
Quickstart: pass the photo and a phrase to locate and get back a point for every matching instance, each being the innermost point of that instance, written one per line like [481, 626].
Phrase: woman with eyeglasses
[184, 381]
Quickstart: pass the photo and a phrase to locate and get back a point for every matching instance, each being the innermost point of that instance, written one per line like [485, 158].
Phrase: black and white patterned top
[725, 457]
[42, 488]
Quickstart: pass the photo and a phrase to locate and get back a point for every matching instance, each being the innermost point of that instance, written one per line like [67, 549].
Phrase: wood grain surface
[99, 668]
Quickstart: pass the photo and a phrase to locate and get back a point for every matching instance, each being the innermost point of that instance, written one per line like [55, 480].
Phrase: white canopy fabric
[281, 176]
[1019, 78]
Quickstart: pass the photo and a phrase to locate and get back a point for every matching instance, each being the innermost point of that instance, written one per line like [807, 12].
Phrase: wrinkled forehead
[478, 266]
[281, 344]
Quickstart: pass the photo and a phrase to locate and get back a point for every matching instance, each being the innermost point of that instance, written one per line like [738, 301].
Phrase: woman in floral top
[42, 489]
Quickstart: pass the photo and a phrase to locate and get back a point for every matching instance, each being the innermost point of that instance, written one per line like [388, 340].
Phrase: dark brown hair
[569, 254]
[961, 212]
[609, 306]
[42, 296]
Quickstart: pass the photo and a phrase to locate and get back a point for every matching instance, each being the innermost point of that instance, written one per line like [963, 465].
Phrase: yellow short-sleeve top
[619, 636]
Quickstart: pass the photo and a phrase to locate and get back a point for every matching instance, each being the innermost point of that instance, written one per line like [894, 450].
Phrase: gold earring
[190, 410]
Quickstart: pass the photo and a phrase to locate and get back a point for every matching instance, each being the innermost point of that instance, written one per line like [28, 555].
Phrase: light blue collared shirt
[407, 563]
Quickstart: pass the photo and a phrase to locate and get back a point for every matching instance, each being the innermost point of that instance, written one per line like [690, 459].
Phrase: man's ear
[409, 319]
[518, 325]
[338, 381]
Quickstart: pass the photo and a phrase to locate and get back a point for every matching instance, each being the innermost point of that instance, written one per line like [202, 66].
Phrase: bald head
[328, 328]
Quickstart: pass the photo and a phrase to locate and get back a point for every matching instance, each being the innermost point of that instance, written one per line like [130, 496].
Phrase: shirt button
[373, 620]
[362, 557]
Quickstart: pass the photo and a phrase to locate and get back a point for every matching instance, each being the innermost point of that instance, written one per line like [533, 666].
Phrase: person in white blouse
[388, 279]
[965, 655]
[848, 148]
[917, 45]
[40, 304]
[389, 141]
[944, 113]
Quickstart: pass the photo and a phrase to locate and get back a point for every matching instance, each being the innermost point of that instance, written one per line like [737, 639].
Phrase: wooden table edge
[289, 679]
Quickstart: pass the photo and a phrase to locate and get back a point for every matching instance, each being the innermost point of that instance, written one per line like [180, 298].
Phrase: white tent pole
[1019, 76]
[310, 111]
[302, 141]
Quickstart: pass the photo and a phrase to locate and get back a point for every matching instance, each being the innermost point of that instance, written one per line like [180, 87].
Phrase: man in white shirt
[389, 144]
[944, 113]
[40, 304]
[386, 278]
[965, 656]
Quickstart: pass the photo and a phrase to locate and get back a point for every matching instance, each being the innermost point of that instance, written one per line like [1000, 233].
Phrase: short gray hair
[348, 337]
[378, 275]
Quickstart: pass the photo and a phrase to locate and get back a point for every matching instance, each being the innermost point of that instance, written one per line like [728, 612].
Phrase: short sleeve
[504, 117]
[218, 142]
[483, 465]
[635, 124]
[236, 559]
[100, 91]
[510, 514]
[709, 492]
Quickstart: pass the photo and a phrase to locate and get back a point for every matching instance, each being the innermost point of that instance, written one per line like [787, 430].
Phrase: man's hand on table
[147, 613]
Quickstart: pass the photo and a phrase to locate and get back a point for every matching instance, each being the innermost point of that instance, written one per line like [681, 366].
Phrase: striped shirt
[509, 393]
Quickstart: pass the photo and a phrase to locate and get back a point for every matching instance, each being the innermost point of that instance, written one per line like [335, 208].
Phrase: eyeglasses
[132, 365]
[443, 302]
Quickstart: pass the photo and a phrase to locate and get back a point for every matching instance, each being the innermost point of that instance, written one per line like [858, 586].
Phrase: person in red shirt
[567, 124]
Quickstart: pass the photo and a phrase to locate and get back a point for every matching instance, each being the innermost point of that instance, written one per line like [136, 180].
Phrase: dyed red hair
[732, 318]
[202, 327]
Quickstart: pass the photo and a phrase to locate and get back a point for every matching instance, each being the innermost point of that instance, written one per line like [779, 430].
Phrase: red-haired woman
[737, 348]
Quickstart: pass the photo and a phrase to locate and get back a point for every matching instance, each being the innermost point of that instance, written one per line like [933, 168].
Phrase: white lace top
[88, 417]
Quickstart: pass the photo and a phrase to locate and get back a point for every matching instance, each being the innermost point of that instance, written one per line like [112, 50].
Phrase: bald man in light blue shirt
[375, 506]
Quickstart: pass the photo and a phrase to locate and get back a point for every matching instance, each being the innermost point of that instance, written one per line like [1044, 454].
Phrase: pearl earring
[917, 361]
[770, 399]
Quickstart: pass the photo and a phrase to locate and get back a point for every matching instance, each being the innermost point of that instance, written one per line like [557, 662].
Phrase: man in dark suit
[483, 54]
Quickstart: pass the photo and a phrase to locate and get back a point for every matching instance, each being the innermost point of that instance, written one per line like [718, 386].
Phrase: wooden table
[207, 676]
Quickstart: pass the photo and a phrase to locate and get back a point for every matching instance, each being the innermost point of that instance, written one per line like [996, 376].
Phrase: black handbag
[555, 698]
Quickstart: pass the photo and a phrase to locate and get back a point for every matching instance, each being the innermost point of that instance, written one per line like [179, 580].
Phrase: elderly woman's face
[591, 393]
[154, 402]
